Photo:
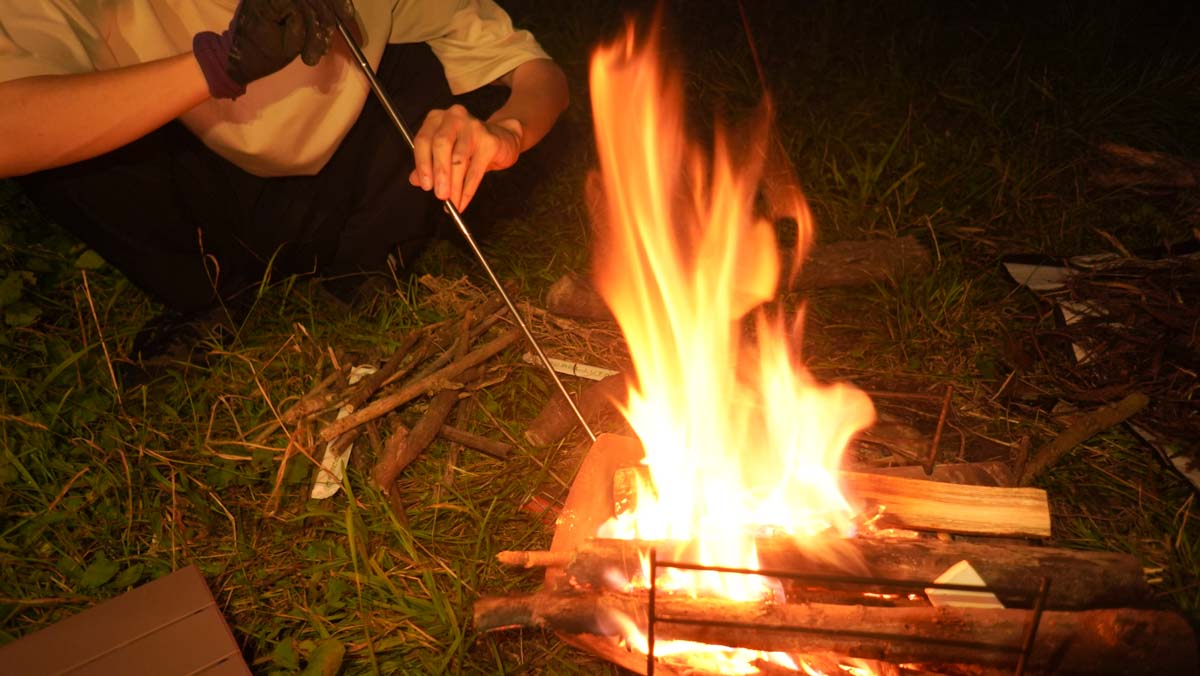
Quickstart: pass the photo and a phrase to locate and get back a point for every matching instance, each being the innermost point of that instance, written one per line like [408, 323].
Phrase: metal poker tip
[455, 216]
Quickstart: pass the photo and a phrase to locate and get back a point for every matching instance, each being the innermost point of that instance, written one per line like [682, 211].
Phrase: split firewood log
[906, 503]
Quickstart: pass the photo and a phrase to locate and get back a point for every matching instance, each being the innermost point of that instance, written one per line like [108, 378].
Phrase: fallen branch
[1084, 428]
[557, 419]
[314, 401]
[862, 263]
[952, 508]
[1114, 641]
[399, 453]
[388, 403]
[496, 449]
[466, 331]
[369, 385]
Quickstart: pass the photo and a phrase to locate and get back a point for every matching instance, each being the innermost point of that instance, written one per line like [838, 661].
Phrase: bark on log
[1078, 579]
[556, 419]
[862, 263]
[1112, 641]
[897, 438]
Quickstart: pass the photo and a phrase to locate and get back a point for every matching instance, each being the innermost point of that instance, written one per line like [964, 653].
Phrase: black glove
[265, 36]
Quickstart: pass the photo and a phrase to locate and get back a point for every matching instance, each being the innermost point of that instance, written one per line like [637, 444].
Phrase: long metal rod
[455, 216]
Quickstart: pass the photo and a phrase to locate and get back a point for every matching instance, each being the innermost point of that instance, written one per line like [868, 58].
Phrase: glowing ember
[739, 437]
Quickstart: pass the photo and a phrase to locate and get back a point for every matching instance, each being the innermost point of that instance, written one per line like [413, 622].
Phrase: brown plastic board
[166, 627]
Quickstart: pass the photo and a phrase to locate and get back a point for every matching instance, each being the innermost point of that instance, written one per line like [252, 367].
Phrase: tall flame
[738, 436]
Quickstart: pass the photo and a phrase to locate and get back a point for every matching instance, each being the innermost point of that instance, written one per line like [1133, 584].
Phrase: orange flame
[738, 436]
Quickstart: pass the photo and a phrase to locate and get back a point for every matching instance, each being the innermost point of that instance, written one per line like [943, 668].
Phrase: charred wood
[1079, 579]
[1111, 641]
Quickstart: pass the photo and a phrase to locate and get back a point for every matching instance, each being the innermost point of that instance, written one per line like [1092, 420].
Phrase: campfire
[726, 538]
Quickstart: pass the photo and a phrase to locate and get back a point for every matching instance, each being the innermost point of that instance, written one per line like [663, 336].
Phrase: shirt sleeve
[41, 39]
[479, 45]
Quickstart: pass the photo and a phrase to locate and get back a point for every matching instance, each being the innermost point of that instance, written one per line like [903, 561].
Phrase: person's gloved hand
[265, 36]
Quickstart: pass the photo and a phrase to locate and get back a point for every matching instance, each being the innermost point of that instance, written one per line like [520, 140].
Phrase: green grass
[971, 126]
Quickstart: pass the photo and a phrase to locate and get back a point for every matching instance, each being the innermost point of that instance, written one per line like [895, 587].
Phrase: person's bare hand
[453, 150]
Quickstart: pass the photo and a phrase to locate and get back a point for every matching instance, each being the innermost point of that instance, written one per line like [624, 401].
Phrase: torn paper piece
[333, 466]
[571, 368]
[961, 573]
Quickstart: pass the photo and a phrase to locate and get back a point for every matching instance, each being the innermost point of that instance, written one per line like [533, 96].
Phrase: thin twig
[1084, 428]
[65, 488]
[937, 433]
[496, 449]
[87, 289]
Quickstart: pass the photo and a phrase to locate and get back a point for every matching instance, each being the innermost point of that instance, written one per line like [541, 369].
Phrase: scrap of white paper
[1048, 279]
[961, 573]
[571, 368]
[333, 467]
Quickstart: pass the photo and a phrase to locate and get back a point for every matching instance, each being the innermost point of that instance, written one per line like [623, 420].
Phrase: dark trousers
[188, 227]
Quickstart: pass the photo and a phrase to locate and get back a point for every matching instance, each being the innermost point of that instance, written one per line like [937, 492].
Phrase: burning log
[1079, 579]
[913, 504]
[952, 508]
[1111, 641]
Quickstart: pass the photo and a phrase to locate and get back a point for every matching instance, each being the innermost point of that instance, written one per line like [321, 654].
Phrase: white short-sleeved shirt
[287, 123]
